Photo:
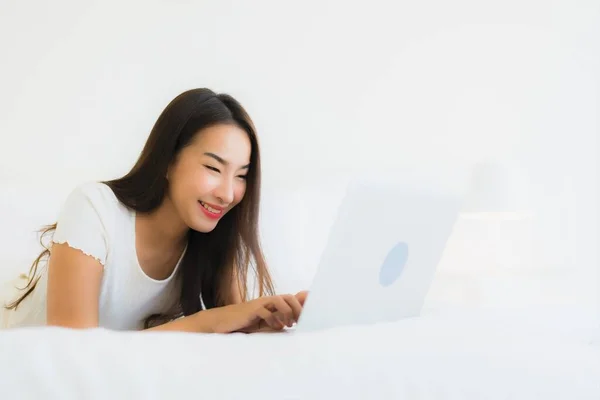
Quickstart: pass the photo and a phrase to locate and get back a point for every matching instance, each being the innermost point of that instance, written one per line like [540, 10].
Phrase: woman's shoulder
[89, 218]
[97, 195]
[93, 190]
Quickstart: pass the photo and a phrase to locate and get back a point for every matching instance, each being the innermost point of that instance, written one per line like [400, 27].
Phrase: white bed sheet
[484, 355]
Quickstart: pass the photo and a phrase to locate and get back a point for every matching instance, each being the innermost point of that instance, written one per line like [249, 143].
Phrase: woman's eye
[212, 168]
[244, 177]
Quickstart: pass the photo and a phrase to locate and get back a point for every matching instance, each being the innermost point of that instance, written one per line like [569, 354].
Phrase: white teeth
[209, 208]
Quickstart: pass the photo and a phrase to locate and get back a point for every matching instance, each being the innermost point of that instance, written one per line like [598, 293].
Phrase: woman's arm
[73, 288]
[201, 322]
[74, 280]
[204, 321]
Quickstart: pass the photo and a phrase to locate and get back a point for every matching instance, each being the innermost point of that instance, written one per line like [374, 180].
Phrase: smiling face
[208, 177]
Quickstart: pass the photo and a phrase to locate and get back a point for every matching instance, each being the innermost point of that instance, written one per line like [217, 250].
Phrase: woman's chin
[202, 223]
[203, 226]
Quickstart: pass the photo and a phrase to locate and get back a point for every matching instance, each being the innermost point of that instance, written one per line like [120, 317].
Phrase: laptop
[381, 255]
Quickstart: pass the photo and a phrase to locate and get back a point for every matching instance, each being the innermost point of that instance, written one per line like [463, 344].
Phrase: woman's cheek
[240, 191]
[206, 181]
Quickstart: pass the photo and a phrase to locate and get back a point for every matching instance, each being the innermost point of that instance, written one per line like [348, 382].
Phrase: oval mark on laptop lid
[393, 265]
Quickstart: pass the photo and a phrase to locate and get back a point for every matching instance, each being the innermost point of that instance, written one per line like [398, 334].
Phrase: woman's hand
[262, 314]
[301, 296]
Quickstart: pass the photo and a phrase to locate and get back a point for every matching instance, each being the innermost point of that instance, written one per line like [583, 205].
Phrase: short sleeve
[81, 222]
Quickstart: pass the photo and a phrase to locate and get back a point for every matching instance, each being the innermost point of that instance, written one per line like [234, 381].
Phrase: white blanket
[488, 355]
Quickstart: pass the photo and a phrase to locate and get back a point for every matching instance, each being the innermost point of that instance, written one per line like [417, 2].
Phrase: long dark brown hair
[211, 259]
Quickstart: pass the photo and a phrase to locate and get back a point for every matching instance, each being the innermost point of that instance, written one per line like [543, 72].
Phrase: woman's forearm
[200, 322]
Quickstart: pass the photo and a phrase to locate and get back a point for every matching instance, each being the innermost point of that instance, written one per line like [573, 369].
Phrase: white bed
[512, 352]
[484, 355]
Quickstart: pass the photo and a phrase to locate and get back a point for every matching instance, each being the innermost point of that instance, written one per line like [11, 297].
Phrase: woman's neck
[162, 228]
[161, 236]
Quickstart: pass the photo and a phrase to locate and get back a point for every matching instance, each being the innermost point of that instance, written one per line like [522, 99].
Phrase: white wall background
[334, 87]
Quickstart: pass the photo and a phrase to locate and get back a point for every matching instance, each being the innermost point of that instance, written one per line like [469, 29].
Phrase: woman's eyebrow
[223, 161]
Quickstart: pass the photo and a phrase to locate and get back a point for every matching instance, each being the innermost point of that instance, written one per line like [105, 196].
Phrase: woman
[168, 246]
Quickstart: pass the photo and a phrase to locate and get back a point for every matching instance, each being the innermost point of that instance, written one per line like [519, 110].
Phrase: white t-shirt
[94, 221]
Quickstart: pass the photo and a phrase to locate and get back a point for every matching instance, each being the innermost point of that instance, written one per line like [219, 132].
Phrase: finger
[295, 305]
[280, 318]
[273, 309]
[269, 318]
[283, 308]
[301, 296]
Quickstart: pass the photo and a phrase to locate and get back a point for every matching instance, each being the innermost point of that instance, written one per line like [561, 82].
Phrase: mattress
[488, 354]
